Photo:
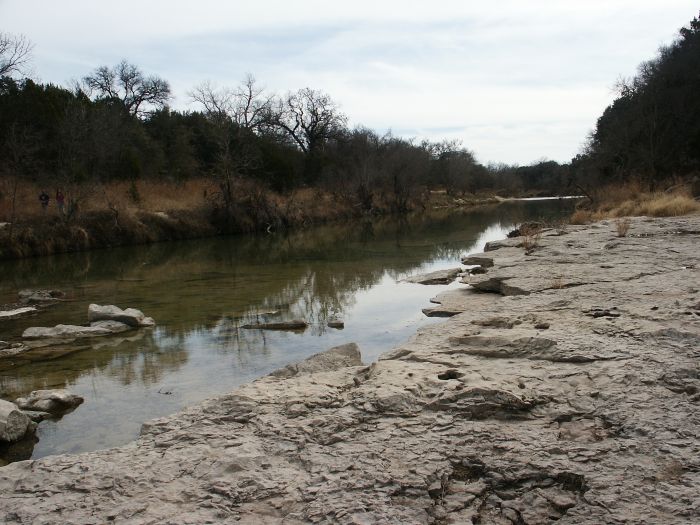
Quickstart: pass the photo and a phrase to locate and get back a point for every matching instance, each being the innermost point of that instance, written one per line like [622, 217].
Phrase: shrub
[622, 226]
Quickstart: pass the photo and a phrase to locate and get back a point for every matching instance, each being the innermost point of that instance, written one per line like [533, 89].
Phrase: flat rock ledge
[436, 277]
[531, 406]
[104, 320]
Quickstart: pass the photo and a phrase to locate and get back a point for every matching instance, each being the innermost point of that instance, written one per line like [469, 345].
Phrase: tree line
[115, 124]
[651, 131]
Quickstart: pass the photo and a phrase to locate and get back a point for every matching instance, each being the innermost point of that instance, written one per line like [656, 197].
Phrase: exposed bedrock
[572, 401]
[436, 277]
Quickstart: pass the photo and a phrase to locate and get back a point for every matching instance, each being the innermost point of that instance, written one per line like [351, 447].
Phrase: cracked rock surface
[525, 408]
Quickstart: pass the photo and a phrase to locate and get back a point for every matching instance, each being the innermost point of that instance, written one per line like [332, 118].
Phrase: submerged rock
[68, 331]
[19, 450]
[14, 313]
[11, 349]
[131, 316]
[55, 402]
[295, 324]
[114, 327]
[40, 297]
[337, 324]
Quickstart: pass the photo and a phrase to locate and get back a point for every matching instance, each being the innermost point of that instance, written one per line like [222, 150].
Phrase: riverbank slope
[568, 393]
[170, 212]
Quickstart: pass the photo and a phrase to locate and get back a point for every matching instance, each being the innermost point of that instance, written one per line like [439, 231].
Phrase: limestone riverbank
[566, 390]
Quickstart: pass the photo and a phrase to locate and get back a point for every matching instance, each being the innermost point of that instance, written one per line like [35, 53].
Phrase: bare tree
[236, 114]
[309, 118]
[126, 83]
[20, 146]
[253, 109]
[15, 54]
[247, 105]
[218, 103]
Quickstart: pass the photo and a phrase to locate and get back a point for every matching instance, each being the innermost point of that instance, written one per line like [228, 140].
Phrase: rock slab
[333, 359]
[69, 331]
[294, 324]
[14, 313]
[487, 417]
[130, 316]
[436, 277]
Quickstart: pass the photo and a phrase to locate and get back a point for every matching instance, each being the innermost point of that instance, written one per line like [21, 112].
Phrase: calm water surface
[201, 292]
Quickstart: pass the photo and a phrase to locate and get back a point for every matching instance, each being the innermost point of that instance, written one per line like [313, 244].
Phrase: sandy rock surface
[573, 398]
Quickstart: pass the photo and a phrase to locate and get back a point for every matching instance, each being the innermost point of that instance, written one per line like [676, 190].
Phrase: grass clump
[622, 226]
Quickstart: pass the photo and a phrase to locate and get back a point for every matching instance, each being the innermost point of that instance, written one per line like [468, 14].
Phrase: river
[201, 293]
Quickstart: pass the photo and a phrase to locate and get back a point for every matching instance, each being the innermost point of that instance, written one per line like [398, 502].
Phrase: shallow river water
[201, 293]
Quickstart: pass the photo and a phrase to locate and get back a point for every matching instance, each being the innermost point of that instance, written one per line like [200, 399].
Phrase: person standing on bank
[44, 200]
[60, 200]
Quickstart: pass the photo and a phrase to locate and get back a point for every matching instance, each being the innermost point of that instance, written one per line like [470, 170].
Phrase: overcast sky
[515, 81]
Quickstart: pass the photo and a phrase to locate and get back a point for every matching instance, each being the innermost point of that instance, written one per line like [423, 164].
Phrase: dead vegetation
[631, 199]
[138, 212]
[531, 234]
[622, 226]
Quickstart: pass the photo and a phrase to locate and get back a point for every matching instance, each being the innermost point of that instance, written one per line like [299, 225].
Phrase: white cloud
[514, 80]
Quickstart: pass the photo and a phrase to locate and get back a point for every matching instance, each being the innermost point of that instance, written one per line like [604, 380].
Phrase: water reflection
[202, 292]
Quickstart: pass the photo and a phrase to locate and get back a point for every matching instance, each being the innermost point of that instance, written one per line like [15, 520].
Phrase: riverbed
[202, 292]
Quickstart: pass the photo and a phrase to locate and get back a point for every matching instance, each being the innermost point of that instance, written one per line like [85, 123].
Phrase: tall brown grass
[628, 200]
[622, 226]
[132, 198]
[119, 213]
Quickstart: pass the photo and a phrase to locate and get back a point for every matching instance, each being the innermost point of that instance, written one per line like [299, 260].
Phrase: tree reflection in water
[202, 292]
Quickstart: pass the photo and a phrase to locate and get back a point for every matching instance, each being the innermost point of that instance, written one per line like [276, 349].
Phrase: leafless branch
[15, 54]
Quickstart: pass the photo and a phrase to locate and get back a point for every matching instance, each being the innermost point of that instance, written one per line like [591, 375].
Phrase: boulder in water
[131, 316]
[55, 402]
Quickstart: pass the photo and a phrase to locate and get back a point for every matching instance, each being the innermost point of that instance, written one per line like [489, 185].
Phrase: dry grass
[125, 196]
[622, 226]
[656, 205]
[581, 217]
[122, 213]
[129, 198]
[630, 200]
[159, 196]
[531, 232]
[531, 240]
